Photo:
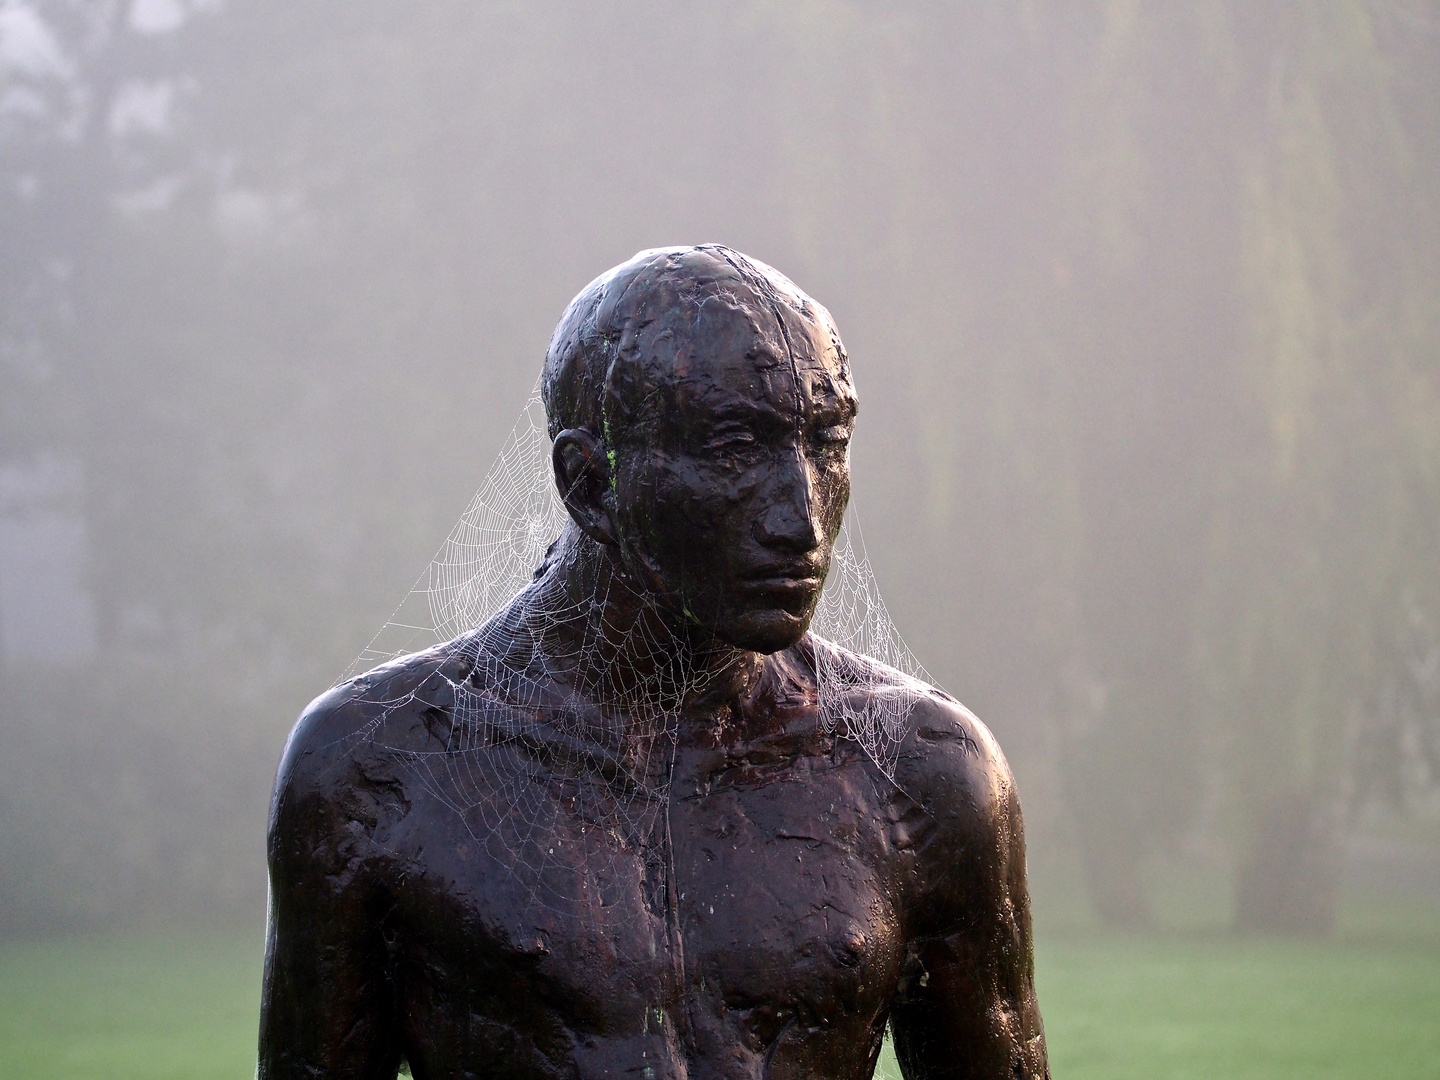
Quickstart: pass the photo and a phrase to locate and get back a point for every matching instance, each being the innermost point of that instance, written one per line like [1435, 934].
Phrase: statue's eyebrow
[734, 410]
[830, 415]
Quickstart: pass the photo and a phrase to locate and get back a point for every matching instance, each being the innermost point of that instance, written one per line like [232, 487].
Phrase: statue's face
[731, 480]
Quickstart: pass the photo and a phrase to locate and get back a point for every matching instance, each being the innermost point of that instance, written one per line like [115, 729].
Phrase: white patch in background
[27, 45]
[23, 101]
[244, 216]
[241, 214]
[157, 16]
[165, 16]
[46, 612]
[150, 199]
[142, 107]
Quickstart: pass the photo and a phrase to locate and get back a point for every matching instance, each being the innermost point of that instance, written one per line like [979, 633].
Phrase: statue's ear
[582, 475]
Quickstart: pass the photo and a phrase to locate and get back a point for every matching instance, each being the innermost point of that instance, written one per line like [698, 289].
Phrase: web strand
[513, 733]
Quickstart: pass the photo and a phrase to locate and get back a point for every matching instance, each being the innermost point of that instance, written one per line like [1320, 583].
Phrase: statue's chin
[766, 631]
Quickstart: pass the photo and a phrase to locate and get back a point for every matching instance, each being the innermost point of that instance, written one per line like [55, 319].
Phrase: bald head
[701, 409]
[631, 326]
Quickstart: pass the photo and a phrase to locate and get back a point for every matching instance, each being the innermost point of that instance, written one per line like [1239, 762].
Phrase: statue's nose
[790, 517]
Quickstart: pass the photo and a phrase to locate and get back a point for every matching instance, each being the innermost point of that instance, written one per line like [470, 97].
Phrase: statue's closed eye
[733, 441]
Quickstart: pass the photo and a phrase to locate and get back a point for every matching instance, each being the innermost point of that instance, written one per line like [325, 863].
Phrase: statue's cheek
[704, 494]
[679, 503]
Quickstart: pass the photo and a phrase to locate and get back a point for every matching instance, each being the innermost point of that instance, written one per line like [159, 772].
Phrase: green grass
[139, 1006]
[1122, 1008]
[1115, 1007]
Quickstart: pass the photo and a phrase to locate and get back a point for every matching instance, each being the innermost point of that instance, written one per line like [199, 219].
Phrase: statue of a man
[615, 832]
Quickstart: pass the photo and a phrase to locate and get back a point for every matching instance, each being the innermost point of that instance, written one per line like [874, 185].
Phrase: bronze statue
[625, 828]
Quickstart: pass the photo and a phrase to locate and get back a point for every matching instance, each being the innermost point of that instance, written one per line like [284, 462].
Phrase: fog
[1143, 305]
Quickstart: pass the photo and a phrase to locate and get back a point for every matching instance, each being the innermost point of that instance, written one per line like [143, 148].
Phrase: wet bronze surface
[664, 864]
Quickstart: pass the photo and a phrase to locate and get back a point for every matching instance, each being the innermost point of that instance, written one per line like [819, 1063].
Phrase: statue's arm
[326, 1007]
[967, 1008]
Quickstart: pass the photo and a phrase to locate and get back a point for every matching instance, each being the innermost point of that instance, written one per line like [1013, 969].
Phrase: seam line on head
[767, 293]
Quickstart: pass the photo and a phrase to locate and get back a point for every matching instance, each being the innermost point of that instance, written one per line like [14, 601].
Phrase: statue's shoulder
[357, 724]
[941, 756]
[951, 757]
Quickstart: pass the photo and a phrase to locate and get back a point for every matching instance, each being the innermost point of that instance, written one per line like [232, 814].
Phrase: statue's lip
[792, 593]
[786, 577]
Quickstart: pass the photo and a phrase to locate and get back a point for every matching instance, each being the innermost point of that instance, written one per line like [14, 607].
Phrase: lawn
[1115, 1007]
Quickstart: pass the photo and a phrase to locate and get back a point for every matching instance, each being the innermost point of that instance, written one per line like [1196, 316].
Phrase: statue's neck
[617, 643]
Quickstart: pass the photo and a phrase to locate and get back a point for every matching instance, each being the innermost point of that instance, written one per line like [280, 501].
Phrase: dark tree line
[1143, 302]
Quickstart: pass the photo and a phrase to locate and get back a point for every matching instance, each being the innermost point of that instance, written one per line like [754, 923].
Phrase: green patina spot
[609, 449]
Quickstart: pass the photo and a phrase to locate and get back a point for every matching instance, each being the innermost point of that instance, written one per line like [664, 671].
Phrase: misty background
[1143, 302]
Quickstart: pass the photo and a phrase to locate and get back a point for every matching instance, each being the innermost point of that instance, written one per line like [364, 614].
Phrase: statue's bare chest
[739, 928]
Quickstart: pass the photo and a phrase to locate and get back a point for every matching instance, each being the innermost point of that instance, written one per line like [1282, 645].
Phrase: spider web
[603, 754]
